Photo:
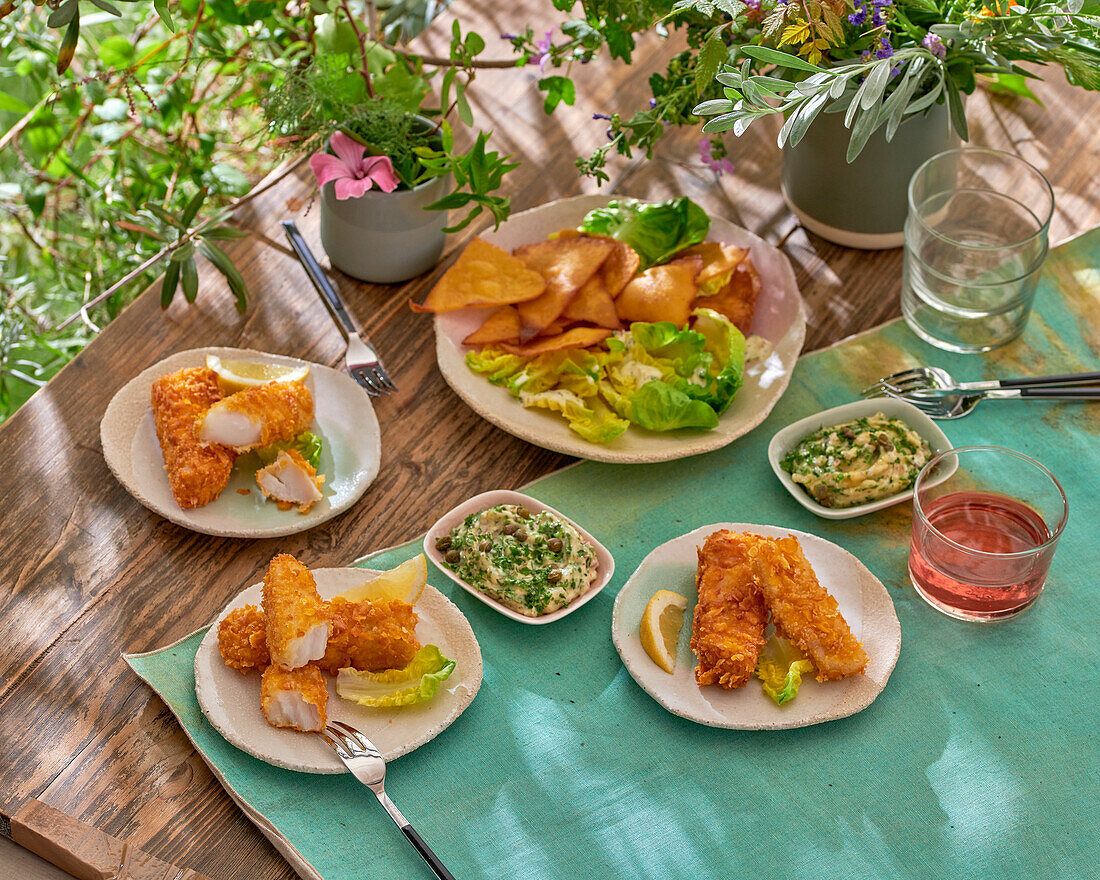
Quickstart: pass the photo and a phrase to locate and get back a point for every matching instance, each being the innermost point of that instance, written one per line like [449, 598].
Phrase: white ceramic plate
[780, 318]
[344, 418]
[231, 700]
[863, 601]
[789, 437]
[503, 496]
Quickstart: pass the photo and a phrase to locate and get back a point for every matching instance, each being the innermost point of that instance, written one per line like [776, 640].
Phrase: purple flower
[509, 37]
[652, 103]
[544, 47]
[601, 116]
[935, 45]
[884, 50]
[719, 163]
[858, 17]
[353, 170]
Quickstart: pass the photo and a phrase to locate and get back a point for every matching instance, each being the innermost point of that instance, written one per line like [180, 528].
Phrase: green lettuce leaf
[655, 230]
[422, 679]
[591, 419]
[307, 444]
[780, 669]
[726, 344]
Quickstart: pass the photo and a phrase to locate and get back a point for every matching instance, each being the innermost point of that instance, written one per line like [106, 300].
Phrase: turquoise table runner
[978, 760]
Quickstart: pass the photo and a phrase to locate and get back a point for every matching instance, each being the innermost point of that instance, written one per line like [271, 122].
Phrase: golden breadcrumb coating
[293, 613]
[727, 631]
[804, 611]
[242, 640]
[197, 473]
[276, 469]
[371, 636]
[283, 410]
[295, 699]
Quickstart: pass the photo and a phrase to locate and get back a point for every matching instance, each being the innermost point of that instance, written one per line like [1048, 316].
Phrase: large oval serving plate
[780, 318]
[231, 701]
[863, 601]
[344, 419]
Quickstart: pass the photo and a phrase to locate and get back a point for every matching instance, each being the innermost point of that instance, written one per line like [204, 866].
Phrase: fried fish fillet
[804, 611]
[727, 631]
[197, 473]
[366, 635]
[297, 698]
[371, 636]
[290, 480]
[296, 621]
[258, 416]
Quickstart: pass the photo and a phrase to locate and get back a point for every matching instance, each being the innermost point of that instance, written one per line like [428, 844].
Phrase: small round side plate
[344, 419]
[231, 701]
[863, 601]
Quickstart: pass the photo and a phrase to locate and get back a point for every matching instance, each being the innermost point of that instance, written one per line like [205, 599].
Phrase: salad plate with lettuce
[653, 391]
[783, 692]
[398, 710]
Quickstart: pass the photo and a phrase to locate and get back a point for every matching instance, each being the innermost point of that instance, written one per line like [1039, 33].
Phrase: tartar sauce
[533, 563]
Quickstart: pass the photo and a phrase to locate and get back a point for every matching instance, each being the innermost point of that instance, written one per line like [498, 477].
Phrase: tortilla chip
[577, 337]
[737, 300]
[620, 267]
[483, 275]
[552, 329]
[661, 293]
[502, 325]
[718, 258]
[593, 305]
[566, 264]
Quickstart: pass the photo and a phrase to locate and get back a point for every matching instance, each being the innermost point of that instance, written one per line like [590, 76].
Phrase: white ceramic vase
[384, 237]
[862, 204]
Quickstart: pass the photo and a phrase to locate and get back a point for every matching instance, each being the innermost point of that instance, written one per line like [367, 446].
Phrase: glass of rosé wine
[986, 521]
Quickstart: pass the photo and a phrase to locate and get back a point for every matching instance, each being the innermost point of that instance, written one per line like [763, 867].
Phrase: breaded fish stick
[297, 699]
[804, 611]
[258, 416]
[296, 621]
[197, 473]
[727, 631]
[371, 636]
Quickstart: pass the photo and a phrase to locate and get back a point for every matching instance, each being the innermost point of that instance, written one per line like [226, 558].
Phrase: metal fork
[937, 381]
[366, 764]
[361, 359]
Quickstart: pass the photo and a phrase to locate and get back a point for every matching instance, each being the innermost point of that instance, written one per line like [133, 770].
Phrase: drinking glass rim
[1044, 224]
[1055, 533]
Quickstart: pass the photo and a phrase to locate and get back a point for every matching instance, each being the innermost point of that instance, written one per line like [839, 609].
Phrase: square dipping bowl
[604, 560]
[789, 437]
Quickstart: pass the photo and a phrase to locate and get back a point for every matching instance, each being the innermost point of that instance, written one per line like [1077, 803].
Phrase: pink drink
[990, 565]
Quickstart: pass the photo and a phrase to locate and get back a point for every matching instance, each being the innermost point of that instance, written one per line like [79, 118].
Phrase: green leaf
[108, 7]
[223, 264]
[780, 59]
[169, 284]
[161, 6]
[11, 104]
[416, 683]
[184, 252]
[189, 280]
[62, 15]
[475, 44]
[955, 106]
[116, 51]
[711, 56]
[465, 113]
[224, 233]
[192, 209]
[559, 89]
[227, 180]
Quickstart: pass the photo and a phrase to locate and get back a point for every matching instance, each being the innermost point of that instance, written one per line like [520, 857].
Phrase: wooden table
[88, 573]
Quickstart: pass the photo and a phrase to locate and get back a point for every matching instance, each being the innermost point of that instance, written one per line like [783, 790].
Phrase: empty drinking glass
[975, 241]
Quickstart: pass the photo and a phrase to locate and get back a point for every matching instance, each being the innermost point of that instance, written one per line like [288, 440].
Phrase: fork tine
[361, 376]
[337, 744]
[387, 382]
[375, 380]
[355, 735]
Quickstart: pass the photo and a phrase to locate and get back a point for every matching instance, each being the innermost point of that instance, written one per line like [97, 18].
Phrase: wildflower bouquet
[880, 61]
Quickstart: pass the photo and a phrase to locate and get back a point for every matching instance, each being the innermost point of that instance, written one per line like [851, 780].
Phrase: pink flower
[353, 170]
[719, 164]
[544, 47]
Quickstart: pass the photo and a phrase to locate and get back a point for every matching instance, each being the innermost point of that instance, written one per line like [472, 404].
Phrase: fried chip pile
[574, 289]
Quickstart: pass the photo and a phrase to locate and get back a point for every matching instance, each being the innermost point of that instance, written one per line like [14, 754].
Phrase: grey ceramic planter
[863, 204]
[384, 237]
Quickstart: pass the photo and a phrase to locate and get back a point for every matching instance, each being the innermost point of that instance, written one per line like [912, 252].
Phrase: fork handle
[1066, 392]
[1037, 381]
[438, 868]
[320, 280]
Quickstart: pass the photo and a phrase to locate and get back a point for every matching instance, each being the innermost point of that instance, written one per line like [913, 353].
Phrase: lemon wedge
[660, 631]
[234, 376]
[406, 582]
